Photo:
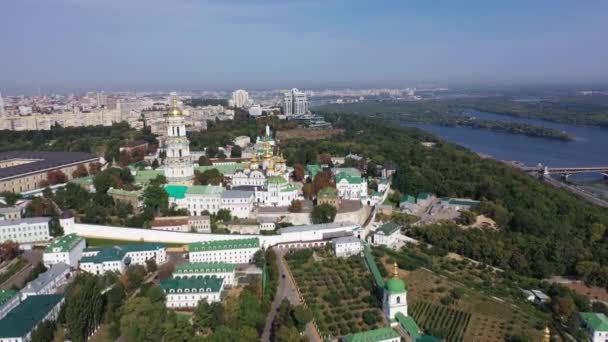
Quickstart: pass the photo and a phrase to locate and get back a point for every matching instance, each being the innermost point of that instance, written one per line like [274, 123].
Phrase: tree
[159, 180]
[223, 215]
[324, 213]
[40, 206]
[156, 199]
[44, 332]
[201, 320]
[564, 307]
[308, 191]
[204, 161]
[142, 320]
[467, 218]
[10, 197]
[9, 250]
[94, 168]
[369, 317]
[236, 152]
[155, 164]
[301, 315]
[325, 159]
[134, 277]
[208, 177]
[56, 177]
[83, 307]
[322, 179]
[295, 206]
[287, 334]
[298, 172]
[81, 171]
[151, 265]
[211, 152]
[221, 154]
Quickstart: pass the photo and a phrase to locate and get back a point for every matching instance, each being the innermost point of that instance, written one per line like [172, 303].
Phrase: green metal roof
[141, 247]
[24, 318]
[204, 190]
[424, 195]
[121, 192]
[176, 191]
[327, 192]
[104, 255]
[145, 176]
[225, 169]
[82, 180]
[466, 202]
[376, 335]
[219, 245]
[276, 180]
[351, 171]
[193, 284]
[203, 267]
[409, 325]
[395, 285]
[350, 179]
[64, 244]
[313, 169]
[597, 321]
[428, 338]
[388, 228]
[407, 199]
[371, 264]
[6, 295]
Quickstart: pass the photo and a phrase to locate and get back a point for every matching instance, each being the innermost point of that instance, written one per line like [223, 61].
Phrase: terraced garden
[338, 291]
[441, 320]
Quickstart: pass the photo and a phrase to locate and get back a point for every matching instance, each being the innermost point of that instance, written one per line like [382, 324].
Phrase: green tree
[301, 315]
[10, 197]
[223, 215]
[151, 265]
[44, 332]
[142, 320]
[204, 161]
[201, 320]
[324, 213]
[156, 199]
[467, 218]
[209, 177]
[287, 334]
[83, 307]
[236, 152]
[135, 276]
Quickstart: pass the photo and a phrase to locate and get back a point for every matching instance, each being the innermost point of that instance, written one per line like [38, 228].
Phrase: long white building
[67, 249]
[25, 231]
[47, 282]
[207, 269]
[239, 251]
[187, 292]
[295, 102]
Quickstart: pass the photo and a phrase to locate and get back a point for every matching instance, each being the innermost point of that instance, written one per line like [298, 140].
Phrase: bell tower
[395, 296]
[178, 163]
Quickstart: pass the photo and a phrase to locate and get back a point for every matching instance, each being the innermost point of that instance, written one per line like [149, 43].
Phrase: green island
[443, 113]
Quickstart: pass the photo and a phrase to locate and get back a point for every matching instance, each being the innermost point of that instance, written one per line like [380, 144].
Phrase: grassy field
[338, 291]
[112, 242]
[460, 291]
[9, 271]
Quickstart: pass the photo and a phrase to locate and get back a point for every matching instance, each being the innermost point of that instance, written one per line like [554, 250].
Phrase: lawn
[338, 291]
[93, 242]
[9, 271]
[467, 302]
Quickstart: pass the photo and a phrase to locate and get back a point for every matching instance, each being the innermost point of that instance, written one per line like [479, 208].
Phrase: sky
[223, 44]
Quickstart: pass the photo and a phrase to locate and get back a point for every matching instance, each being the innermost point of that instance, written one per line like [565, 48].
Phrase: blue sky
[180, 44]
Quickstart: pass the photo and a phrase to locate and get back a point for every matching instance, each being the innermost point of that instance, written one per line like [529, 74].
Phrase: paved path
[286, 289]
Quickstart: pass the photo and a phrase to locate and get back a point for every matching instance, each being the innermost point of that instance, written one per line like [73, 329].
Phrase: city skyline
[68, 45]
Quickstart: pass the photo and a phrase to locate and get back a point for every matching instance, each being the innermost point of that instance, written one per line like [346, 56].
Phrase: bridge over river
[566, 171]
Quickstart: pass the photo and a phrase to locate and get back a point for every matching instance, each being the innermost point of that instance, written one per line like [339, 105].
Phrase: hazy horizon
[71, 45]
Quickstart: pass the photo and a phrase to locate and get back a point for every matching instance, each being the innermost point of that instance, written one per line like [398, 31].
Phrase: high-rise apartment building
[295, 102]
[1, 105]
[240, 98]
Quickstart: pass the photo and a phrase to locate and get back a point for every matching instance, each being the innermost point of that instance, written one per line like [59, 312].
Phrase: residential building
[407, 203]
[459, 203]
[596, 325]
[19, 323]
[22, 171]
[386, 234]
[178, 163]
[351, 187]
[204, 269]
[139, 253]
[66, 249]
[187, 292]
[171, 223]
[377, 335]
[10, 213]
[200, 224]
[196, 198]
[279, 193]
[243, 226]
[318, 232]
[346, 246]
[238, 251]
[424, 199]
[25, 231]
[240, 98]
[328, 195]
[9, 299]
[133, 198]
[102, 260]
[295, 102]
[251, 178]
[240, 203]
[47, 282]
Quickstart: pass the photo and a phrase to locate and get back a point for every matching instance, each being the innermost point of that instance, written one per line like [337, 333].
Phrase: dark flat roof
[47, 160]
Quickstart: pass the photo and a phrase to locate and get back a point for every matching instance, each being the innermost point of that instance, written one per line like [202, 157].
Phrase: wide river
[590, 148]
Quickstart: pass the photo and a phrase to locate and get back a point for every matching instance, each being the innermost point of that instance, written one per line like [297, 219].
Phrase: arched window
[398, 300]
[180, 152]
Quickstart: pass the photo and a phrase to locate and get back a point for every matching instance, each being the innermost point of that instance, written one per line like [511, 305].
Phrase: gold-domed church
[178, 163]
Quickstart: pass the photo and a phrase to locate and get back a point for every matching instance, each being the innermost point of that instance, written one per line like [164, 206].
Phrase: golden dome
[547, 335]
[254, 159]
[175, 111]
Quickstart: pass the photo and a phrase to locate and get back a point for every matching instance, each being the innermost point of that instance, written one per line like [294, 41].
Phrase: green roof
[408, 324]
[428, 338]
[388, 228]
[350, 171]
[276, 180]
[597, 321]
[6, 295]
[288, 187]
[193, 284]
[145, 176]
[219, 245]
[203, 267]
[371, 264]
[424, 195]
[395, 285]
[375, 335]
[225, 169]
[313, 169]
[466, 202]
[176, 191]
[349, 178]
[64, 244]
[407, 199]
[24, 318]
[141, 247]
[121, 192]
[82, 180]
[327, 192]
[204, 190]
[104, 255]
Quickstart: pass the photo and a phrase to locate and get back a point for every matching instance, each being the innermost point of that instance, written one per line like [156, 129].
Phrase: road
[580, 193]
[286, 289]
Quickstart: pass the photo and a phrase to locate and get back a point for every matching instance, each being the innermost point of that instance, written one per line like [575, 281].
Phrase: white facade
[346, 246]
[47, 282]
[69, 254]
[394, 302]
[240, 98]
[352, 189]
[157, 252]
[240, 203]
[200, 224]
[184, 298]
[386, 235]
[295, 102]
[279, 193]
[25, 231]
[51, 315]
[229, 276]
[252, 178]
[232, 256]
[113, 259]
[178, 164]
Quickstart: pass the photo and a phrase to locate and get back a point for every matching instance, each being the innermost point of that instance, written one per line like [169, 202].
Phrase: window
[398, 300]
